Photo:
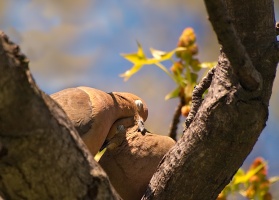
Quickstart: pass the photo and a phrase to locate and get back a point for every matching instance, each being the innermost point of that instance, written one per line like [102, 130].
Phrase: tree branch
[197, 96]
[249, 77]
[215, 144]
[176, 119]
[230, 118]
[42, 156]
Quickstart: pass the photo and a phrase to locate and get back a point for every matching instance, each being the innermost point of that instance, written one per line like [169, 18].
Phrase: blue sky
[73, 43]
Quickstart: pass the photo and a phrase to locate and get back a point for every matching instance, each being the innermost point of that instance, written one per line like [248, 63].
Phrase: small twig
[13, 50]
[176, 120]
[242, 65]
[197, 96]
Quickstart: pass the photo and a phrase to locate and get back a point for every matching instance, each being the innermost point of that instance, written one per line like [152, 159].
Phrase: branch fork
[249, 78]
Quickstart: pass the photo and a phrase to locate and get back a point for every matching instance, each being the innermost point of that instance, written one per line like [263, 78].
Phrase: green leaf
[157, 54]
[179, 80]
[137, 57]
[252, 172]
[249, 174]
[194, 78]
[274, 179]
[100, 154]
[188, 76]
[196, 68]
[132, 57]
[240, 172]
[162, 55]
[208, 65]
[140, 50]
[173, 94]
[131, 72]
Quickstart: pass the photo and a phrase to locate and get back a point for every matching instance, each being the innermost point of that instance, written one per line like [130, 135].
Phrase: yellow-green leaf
[137, 57]
[133, 57]
[194, 78]
[196, 68]
[131, 72]
[248, 175]
[140, 51]
[274, 179]
[157, 54]
[100, 154]
[173, 94]
[240, 172]
[162, 55]
[208, 65]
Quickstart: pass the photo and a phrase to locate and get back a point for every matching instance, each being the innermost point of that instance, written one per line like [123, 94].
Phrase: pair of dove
[115, 120]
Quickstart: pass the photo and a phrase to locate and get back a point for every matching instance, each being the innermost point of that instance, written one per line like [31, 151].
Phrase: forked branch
[249, 77]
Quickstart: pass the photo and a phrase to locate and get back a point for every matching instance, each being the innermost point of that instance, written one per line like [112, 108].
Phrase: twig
[197, 96]
[249, 77]
[176, 120]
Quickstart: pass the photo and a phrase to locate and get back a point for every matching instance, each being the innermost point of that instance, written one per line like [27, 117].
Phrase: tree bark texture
[41, 154]
[233, 113]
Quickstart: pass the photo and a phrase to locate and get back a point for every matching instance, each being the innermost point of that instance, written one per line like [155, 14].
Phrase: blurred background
[74, 43]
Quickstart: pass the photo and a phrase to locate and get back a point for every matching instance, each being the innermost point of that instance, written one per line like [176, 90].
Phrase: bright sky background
[74, 43]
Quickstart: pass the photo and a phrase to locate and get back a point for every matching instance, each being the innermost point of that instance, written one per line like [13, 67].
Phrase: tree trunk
[234, 112]
[41, 155]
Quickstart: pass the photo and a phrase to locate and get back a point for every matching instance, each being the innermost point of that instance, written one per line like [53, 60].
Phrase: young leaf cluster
[253, 184]
[185, 69]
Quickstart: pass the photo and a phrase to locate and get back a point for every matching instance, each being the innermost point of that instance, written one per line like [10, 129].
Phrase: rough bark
[41, 155]
[233, 113]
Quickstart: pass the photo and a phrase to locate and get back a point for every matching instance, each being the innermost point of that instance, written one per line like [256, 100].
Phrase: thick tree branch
[215, 144]
[42, 156]
[254, 22]
[230, 118]
[249, 77]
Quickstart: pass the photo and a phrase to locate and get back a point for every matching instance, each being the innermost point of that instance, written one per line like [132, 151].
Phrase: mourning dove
[131, 158]
[93, 112]
[132, 154]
